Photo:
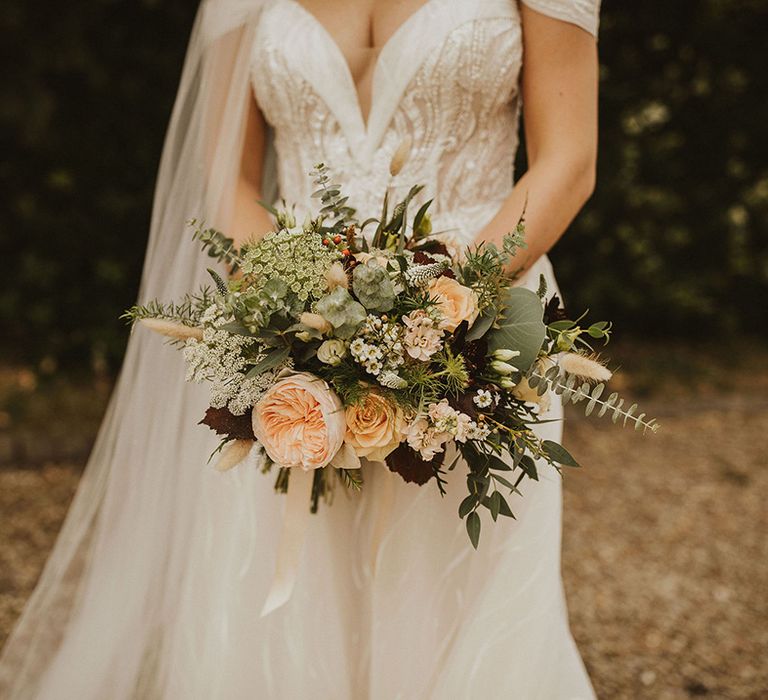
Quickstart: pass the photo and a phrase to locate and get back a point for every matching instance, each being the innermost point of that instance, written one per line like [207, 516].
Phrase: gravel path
[665, 554]
[666, 559]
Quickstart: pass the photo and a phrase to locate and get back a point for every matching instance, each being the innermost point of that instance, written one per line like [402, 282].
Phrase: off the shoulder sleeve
[582, 13]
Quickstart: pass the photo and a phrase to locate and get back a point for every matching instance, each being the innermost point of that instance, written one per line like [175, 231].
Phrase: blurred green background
[665, 559]
[673, 242]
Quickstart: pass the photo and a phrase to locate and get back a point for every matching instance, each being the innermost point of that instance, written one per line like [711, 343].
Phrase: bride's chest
[450, 60]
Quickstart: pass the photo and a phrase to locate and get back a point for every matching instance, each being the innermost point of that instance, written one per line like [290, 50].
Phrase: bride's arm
[559, 88]
[249, 218]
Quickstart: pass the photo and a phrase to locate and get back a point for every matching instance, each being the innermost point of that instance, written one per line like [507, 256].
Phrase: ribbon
[385, 496]
[294, 531]
[291, 539]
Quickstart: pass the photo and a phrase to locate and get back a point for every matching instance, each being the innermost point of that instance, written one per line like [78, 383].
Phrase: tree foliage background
[673, 242]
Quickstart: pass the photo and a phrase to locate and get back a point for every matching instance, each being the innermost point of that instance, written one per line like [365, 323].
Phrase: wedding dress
[155, 587]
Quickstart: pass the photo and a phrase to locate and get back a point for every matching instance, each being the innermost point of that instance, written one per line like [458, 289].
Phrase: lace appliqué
[460, 110]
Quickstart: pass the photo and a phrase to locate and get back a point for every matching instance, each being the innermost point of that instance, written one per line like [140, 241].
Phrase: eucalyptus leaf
[520, 326]
[482, 325]
[473, 528]
[466, 506]
[557, 453]
[270, 361]
[502, 480]
[498, 464]
[504, 508]
[495, 504]
[235, 328]
[529, 467]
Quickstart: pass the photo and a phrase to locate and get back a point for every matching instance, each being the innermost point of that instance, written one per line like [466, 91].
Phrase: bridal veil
[97, 612]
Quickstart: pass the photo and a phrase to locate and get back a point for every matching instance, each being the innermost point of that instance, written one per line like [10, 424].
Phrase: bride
[155, 586]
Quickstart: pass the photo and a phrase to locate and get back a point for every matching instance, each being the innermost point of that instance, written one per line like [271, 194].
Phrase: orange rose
[374, 427]
[300, 422]
[455, 302]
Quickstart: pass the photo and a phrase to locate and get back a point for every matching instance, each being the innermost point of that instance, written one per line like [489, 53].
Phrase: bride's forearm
[249, 218]
[559, 96]
[550, 194]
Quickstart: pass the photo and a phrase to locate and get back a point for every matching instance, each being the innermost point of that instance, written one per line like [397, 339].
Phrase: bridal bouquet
[323, 350]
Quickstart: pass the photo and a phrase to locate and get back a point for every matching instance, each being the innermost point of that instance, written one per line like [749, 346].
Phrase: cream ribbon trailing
[295, 521]
[385, 495]
[292, 538]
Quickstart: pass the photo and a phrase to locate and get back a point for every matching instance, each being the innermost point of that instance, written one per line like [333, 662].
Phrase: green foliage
[373, 286]
[334, 206]
[186, 311]
[519, 327]
[574, 392]
[674, 241]
[217, 245]
[342, 312]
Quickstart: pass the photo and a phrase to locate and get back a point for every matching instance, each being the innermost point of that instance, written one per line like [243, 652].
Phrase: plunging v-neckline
[347, 70]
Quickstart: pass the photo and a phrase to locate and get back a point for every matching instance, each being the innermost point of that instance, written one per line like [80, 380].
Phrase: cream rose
[300, 422]
[332, 352]
[455, 302]
[374, 427]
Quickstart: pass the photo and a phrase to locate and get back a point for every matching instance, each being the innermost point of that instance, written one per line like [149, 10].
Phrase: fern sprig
[187, 311]
[351, 478]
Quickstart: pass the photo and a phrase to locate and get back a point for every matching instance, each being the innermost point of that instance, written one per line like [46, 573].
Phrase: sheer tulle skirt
[161, 597]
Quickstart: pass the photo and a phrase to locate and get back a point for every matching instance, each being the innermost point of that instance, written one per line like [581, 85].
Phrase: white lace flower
[483, 398]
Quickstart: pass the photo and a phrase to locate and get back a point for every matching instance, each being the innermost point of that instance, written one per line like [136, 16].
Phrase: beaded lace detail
[447, 80]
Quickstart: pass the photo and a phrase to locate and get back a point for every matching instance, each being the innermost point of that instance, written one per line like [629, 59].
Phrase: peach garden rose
[300, 422]
[374, 427]
[455, 302]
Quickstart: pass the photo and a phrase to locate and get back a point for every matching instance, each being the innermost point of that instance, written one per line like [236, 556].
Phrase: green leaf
[495, 504]
[473, 528]
[235, 328]
[370, 220]
[521, 326]
[594, 396]
[502, 480]
[498, 464]
[563, 325]
[466, 506]
[420, 214]
[504, 508]
[557, 453]
[529, 467]
[268, 207]
[270, 361]
[481, 326]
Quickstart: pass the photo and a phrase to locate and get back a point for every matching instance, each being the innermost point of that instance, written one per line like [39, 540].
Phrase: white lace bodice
[447, 80]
